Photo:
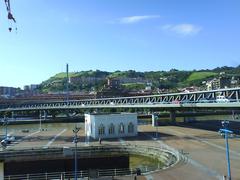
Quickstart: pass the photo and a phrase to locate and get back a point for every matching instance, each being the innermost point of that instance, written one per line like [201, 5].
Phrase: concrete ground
[203, 149]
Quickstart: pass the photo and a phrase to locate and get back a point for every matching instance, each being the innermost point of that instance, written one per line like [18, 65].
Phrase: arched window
[101, 129]
[130, 128]
[111, 129]
[121, 128]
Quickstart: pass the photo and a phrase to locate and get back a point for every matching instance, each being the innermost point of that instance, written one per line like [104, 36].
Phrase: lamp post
[75, 140]
[6, 128]
[226, 132]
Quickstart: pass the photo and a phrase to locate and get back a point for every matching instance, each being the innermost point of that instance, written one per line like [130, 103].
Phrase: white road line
[54, 138]
[25, 137]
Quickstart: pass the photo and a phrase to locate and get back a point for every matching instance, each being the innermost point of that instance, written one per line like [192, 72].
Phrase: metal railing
[94, 173]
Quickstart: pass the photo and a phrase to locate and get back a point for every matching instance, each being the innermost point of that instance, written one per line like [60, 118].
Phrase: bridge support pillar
[154, 120]
[45, 114]
[173, 116]
[1, 170]
[13, 115]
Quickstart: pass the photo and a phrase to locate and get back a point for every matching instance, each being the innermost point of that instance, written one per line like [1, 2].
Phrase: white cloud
[183, 29]
[136, 19]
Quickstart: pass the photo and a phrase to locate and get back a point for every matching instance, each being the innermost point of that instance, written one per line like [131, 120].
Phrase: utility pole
[6, 128]
[75, 140]
[67, 85]
[225, 125]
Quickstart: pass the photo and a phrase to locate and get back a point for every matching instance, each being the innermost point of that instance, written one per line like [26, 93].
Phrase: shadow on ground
[211, 125]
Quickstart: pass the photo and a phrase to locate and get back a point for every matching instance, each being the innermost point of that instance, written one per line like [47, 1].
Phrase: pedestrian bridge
[198, 99]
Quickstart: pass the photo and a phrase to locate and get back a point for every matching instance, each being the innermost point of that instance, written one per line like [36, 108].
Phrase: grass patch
[133, 86]
[195, 76]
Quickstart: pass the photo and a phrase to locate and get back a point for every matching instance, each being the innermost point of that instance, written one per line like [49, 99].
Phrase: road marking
[200, 166]
[54, 138]
[25, 137]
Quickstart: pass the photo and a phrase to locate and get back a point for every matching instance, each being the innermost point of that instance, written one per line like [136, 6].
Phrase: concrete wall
[94, 121]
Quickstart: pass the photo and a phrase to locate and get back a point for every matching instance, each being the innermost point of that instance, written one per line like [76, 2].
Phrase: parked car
[7, 140]
[222, 99]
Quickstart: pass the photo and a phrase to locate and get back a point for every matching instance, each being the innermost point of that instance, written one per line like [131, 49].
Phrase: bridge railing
[175, 98]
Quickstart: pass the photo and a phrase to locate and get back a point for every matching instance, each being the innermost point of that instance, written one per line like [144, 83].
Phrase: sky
[110, 35]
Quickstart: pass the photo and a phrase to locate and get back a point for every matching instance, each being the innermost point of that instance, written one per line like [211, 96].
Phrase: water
[138, 161]
[12, 129]
[197, 118]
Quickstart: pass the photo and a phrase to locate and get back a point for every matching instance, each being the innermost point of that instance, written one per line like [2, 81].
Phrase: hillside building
[218, 83]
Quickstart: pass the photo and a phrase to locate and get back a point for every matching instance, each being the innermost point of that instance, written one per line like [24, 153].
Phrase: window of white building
[101, 129]
[130, 128]
[111, 129]
[121, 128]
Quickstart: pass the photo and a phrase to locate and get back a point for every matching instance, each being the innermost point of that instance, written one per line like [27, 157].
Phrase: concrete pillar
[13, 115]
[1, 170]
[45, 114]
[173, 116]
[154, 120]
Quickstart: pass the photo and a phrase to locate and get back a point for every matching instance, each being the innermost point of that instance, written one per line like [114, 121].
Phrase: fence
[94, 173]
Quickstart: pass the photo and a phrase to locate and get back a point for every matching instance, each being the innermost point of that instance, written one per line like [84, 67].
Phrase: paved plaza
[203, 150]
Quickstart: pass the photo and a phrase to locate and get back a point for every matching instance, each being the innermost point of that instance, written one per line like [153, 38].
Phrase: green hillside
[196, 76]
[171, 79]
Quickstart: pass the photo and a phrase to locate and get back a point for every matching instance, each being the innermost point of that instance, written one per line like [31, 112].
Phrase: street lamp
[75, 140]
[5, 123]
[225, 125]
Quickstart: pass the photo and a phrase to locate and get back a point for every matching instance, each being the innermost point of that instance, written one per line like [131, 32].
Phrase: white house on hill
[110, 125]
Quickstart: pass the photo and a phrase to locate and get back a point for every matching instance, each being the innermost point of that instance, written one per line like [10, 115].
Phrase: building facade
[110, 125]
[7, 91]
[218, 83]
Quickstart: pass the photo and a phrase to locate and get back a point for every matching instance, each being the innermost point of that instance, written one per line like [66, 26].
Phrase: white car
[222, 99]
[7, 140]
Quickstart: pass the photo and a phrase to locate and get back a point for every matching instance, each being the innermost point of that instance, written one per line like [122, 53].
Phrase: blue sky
[143, 35]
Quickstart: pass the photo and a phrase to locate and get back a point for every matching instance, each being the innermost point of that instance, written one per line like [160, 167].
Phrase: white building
[110, 125]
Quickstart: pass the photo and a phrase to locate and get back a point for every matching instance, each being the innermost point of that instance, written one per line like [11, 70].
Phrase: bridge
[198, 99]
